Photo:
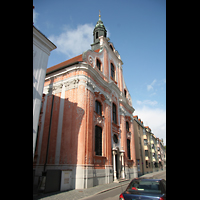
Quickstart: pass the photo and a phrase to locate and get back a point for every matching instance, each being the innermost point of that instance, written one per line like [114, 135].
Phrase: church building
[86, 133]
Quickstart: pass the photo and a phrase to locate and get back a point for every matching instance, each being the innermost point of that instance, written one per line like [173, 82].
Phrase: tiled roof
[69, 62]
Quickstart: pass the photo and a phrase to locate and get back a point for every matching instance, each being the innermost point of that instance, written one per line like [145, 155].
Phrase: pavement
[83, 193]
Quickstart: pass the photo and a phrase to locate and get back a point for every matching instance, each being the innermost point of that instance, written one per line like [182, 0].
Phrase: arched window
[112, 71]
[98, 108]
[98, 140]
[128, 149]
[98, 64]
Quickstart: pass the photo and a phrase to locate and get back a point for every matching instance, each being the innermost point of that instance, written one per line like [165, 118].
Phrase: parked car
[141, 188]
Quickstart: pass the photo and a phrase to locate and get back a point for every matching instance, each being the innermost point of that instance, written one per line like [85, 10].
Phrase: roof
[54, 46]
[66, 63]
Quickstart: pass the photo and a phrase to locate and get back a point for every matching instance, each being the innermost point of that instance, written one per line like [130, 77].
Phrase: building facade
[161, 154]
[86, 131]
[150, 151]
[42, 47]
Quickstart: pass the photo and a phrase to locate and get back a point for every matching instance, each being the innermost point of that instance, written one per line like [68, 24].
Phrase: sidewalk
[81, 193]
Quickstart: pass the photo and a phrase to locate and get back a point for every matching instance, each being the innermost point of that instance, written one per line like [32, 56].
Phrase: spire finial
[99, 15]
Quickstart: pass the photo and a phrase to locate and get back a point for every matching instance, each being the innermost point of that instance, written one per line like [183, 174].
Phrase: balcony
[154, 160]
[146, 158]
[144, 136]
[152, 142]
[152, 150]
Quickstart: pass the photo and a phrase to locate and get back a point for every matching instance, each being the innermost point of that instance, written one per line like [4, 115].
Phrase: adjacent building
[86, 133]
[42, 47]
[150, 151]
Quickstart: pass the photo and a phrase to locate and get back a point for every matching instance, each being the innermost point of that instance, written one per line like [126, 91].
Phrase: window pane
[127, 126]
[145, 186]
[98, 64]
[114, 114]
[98, 140]
[112, 71]
[98, 108]
[128, 149]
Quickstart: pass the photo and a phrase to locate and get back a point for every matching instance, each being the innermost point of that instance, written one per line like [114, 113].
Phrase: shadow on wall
[71, 123]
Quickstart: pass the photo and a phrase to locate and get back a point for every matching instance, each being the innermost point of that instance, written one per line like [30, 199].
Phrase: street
[114, 193]
[109, 195]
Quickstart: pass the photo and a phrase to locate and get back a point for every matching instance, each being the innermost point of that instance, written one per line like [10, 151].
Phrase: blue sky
[137, 29]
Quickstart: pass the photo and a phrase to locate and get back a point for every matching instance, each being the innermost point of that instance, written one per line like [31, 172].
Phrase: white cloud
[150, 87]
[155, 119]
[147, 102]
[73, 42]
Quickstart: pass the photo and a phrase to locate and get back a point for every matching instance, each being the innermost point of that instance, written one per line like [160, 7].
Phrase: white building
[41, 51]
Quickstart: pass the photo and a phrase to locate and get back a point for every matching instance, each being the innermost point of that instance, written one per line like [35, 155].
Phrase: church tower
[99, 30]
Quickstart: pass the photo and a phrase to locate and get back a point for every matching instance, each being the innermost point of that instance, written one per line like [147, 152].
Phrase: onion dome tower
[99, 30]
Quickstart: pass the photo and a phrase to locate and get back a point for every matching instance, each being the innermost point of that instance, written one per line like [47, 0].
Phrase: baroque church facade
[86, 123]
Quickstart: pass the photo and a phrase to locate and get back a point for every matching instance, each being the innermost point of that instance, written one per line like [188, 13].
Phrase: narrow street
[109, 195]
[114, 193]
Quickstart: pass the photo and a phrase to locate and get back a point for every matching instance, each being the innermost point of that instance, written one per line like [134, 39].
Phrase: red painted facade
[76, 85]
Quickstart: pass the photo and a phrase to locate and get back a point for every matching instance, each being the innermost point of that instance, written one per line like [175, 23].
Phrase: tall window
[98, 109]
[98, 64]
[112, 71]
[124, 92]
[128, 149]
[114, 113]
[98, 140]
[96, 35]
[127, 126]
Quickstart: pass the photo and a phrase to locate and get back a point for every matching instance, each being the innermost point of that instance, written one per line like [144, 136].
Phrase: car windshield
[144, 186]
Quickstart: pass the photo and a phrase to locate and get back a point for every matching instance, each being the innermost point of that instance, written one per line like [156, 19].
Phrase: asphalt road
[109, 195]
[114, 193]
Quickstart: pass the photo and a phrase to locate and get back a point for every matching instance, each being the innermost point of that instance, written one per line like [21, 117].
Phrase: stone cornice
[109, 86]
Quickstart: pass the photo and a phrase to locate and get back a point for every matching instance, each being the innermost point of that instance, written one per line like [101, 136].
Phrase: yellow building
[150, 151]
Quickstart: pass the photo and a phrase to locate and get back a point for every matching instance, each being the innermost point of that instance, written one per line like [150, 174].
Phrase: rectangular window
[98, 107]
[98, 140]
[145, 142]
[124, 92]
[127, 126]
[112, 71]
[98, 64]
[114, 113]
[146, 164]
[128, 149]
